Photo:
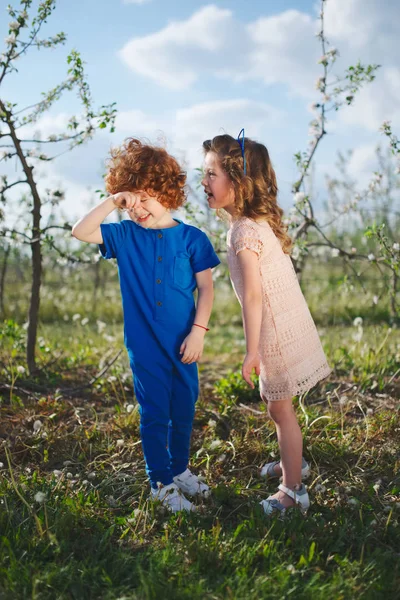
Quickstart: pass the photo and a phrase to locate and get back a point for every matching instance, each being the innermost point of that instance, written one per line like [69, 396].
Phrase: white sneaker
[172, 498]
[190, 484]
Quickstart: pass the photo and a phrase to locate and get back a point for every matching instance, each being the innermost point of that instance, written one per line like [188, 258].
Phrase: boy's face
[217, 185]
[151, 214]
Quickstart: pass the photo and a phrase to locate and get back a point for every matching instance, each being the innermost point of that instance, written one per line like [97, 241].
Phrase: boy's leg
[153, 393]
[185, 389]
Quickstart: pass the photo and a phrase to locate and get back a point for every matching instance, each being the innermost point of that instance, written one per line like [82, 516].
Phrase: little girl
[161, 261]
[282, 343]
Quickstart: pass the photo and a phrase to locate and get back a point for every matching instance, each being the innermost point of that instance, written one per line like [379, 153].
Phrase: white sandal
[272, 505]
[268, 470]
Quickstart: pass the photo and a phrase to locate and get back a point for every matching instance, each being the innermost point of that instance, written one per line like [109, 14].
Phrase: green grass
[97, 536]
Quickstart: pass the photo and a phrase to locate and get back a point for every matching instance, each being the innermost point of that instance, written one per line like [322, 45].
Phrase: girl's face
[150, 214]
[217, 185]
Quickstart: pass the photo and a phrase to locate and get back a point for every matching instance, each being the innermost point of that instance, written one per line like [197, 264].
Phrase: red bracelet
[195, 325]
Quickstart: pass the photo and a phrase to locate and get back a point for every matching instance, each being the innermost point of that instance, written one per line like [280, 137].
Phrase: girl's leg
[290, 445]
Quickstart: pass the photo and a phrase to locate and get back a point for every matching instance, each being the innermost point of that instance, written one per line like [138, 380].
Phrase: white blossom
[332, 52]
[396, 246]
[335, 252]
[20, 369]
[299, 197]
[371, 257]
[100, 326]
[353, 501]
[76, 317]
[120, 443]
[37, 425]
[375, 299]
[295, 252]
[14, 25]
[85, 321]
[291, 568]
[320, 488]
[215, 444]
[357, 322]
[10, 40]
[40, 497]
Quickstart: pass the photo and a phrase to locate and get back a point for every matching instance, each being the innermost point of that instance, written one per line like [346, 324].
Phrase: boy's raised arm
[87, 229]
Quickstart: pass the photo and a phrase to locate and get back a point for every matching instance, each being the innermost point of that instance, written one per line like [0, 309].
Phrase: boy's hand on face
[251, 362]
[128, 200]
[192, 347]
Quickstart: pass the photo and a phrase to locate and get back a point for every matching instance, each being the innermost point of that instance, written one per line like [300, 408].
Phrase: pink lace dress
[291, 356]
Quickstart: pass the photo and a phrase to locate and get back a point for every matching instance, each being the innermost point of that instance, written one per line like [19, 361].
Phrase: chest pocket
[183, 274]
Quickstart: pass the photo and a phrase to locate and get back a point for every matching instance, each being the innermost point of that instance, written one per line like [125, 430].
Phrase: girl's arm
[87, 229]
[251, 311]
[192, 346]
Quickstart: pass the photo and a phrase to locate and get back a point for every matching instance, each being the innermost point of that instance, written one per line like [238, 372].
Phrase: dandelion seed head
[40, 497]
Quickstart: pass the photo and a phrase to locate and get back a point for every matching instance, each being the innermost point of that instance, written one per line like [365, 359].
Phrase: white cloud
[278, 49]
[369, 26]
[212, 42]
[136, 123]
[285, 50]
[174, 55]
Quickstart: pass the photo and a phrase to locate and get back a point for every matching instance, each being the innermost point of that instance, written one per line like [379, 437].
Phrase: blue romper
[157, 277]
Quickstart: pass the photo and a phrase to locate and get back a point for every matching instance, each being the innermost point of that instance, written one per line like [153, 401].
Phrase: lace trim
[280, 391]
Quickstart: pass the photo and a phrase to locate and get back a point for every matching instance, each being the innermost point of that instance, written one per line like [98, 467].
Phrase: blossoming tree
[24, 31]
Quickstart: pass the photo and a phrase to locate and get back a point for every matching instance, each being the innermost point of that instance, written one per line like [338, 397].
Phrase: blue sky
[186, 70]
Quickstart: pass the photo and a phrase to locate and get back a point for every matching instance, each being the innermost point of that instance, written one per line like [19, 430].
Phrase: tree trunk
[393, 295]
[35, 245]
[35, 289]
[3, 279]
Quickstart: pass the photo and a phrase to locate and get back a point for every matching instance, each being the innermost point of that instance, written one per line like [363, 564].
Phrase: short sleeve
[114, 235]
[203, 255]
[247, 238]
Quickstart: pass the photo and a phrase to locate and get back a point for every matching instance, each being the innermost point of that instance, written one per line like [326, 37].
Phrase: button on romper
[157, 278]
[292, 360]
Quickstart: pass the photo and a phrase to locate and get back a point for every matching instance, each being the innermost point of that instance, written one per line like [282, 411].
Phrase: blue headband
[241, 144]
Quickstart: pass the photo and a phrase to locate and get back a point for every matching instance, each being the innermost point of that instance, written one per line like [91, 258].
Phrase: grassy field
[75, 522]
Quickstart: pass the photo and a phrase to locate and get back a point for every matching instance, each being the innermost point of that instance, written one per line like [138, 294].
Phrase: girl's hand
[192, 347]
[127, 200]
[251, 362]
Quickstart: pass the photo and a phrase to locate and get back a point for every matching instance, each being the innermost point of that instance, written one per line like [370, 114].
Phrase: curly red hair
[136, 166]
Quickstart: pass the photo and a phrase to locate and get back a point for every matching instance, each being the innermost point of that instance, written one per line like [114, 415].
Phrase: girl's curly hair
[256, 192]
[136, 166]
